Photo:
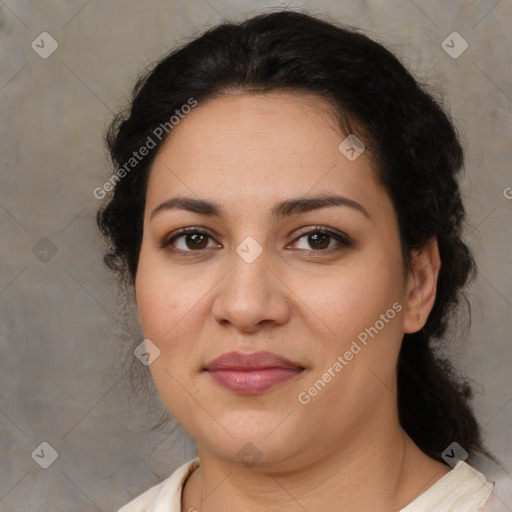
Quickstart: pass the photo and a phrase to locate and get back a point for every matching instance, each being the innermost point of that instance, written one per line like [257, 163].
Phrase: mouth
[252, 373]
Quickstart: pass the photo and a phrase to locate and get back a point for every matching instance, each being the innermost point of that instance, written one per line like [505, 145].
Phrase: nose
[251, 296]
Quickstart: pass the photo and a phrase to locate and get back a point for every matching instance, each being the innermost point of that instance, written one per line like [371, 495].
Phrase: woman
[286, 207]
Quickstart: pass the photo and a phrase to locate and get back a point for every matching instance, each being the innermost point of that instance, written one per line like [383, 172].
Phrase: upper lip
[247, 362]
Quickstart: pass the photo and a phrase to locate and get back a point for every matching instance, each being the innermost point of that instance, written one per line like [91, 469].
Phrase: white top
[463, 489]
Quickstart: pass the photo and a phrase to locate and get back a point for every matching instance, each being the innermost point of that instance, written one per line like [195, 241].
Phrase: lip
[252, 373]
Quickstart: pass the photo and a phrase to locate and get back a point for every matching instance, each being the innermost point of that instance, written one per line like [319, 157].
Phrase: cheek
[355, 296]
[163, 311]
[150, 301]
[363, 306]
[160, 299]
[157, 302]
[172, 305]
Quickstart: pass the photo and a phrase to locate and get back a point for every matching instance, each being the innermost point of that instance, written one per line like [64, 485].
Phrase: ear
[421, 286]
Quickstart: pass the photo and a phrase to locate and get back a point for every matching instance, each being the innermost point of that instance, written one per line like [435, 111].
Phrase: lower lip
[254, 381]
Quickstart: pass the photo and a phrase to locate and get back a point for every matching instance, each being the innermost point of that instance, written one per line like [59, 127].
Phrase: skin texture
[345, 448]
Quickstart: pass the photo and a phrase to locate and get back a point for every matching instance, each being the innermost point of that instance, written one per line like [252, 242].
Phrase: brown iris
[196, 241]
[319, 240]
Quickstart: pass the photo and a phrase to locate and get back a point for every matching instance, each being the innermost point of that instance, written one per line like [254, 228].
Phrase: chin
[256, 437]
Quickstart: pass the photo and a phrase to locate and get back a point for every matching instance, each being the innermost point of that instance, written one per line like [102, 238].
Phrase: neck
[378, 474]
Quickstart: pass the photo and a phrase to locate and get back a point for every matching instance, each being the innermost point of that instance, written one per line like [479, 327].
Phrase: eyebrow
[280, 210]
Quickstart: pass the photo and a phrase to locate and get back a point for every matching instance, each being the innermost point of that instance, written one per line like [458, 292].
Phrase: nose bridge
[250, 293]
[248, 279]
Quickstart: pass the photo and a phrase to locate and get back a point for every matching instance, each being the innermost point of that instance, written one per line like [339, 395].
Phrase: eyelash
[343, 240]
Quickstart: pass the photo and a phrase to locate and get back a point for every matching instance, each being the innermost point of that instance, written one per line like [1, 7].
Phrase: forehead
[237, 119]
[258, 146]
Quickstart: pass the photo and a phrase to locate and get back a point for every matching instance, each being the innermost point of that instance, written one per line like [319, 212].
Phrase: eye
[322, 240]
[190, 240]
[318, 239]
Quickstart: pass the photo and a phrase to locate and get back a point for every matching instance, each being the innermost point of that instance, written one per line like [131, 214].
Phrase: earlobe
[422, 286]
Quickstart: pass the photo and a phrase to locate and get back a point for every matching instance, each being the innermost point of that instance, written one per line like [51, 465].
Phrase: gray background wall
[62, 349]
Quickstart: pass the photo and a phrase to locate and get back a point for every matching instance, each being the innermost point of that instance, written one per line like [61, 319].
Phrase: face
[268, 264]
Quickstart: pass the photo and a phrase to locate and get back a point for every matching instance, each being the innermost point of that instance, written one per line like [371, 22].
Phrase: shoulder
[164, 496]
[463, 489]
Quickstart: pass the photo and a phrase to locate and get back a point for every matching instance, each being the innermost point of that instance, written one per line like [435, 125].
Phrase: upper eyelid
[326, 229]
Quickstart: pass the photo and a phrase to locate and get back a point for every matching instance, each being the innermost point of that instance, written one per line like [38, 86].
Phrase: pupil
[320, 240]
